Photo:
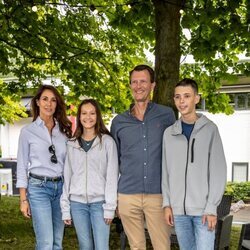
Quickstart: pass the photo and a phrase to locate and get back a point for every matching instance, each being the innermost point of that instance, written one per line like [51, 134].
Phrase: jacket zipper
[192, 151]
[86, 161]
[185, 193]
[192, 160]
[86, 177]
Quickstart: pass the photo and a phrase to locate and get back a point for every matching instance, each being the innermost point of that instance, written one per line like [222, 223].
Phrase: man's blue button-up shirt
[139, 146]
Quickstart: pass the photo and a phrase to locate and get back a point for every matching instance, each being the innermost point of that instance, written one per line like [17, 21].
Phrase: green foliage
[219, 32]
[10, 107]
[239, 191]
[70, 42]
[89, 47]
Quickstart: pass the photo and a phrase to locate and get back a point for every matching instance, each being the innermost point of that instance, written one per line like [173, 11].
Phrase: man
[193, 172]
[138, 134]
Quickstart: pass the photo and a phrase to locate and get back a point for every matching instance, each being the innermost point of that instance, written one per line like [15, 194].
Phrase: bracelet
[24, 201]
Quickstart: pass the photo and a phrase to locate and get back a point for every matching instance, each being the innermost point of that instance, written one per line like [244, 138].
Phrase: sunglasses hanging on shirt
[53, 157]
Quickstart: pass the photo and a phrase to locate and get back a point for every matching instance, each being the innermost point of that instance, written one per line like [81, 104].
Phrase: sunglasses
[53, 157]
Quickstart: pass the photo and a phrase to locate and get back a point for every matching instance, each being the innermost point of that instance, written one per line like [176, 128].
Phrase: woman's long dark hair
[60, 112]
[100, 127]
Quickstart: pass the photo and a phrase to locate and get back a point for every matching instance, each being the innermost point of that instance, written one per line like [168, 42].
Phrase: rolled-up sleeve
[22, 160]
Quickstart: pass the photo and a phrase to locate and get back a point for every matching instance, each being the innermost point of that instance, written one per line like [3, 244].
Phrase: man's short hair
[142, 67]
[188, 82]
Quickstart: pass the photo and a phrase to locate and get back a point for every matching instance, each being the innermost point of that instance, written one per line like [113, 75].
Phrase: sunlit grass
[16, 232]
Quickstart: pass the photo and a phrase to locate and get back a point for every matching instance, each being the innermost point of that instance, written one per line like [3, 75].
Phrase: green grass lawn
[16, 232]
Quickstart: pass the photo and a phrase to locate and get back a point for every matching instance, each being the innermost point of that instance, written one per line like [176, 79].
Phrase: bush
[239, 191]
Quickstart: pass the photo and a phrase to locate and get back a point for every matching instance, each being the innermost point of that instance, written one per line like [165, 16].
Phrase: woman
[40, 162]
[91, 173]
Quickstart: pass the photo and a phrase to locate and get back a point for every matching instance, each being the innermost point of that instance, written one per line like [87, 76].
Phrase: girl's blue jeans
[91, 229]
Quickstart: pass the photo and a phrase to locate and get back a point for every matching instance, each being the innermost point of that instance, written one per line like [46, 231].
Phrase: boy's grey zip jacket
[194, 171]
[91, 176]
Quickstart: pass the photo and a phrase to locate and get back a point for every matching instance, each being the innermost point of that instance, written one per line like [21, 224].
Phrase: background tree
[91, 45]
[9, 106]
[215, 32]
[167, 48]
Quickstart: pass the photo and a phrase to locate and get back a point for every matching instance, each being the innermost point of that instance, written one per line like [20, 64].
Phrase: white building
[9, 135]
[234, 130]
[235, 133]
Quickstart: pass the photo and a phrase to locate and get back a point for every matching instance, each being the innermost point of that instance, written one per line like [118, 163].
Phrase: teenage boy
[193, 172]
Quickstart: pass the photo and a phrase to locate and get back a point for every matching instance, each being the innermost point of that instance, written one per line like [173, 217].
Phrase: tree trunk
[167, 49]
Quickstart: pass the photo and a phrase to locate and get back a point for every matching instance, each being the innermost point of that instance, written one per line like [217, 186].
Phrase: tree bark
[167, 49]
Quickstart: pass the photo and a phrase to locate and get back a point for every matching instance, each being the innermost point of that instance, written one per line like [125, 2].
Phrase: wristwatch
[24, 201]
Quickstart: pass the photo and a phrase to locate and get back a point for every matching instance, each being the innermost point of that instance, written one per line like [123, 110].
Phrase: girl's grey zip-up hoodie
[194, 171]
[91, 176]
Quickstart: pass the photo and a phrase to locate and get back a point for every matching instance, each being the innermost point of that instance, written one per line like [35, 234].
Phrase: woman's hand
[24, 203]
[25, 208]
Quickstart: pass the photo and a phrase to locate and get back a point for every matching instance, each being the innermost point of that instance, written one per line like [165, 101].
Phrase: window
[248, 100]
[239, 101]
[240, 171]
[232, 100]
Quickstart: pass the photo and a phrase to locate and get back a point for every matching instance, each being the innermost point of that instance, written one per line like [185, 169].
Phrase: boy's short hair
[142, 67]
[188, 82]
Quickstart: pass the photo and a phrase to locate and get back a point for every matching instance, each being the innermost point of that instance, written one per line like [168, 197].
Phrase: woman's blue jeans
[90, 225]
[192, 234]
[44, 199]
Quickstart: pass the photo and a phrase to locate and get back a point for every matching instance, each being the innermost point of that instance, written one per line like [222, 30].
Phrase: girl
[90, 179]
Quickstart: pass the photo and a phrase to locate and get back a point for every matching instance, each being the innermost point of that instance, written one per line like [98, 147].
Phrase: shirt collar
[40, 122]
[150, 105]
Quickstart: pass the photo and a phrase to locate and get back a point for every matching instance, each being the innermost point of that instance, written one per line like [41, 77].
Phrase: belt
[45, 178]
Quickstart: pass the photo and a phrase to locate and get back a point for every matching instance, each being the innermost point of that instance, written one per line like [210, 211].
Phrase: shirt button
[143, 123]
[145, 149]
[144, 136]
[145, 163]
[145, 177]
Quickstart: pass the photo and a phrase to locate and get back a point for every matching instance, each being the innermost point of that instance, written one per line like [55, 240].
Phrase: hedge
[239, 191]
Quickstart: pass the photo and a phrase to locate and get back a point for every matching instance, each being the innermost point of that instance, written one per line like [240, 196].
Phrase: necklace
[87, 142]
[86, 145]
